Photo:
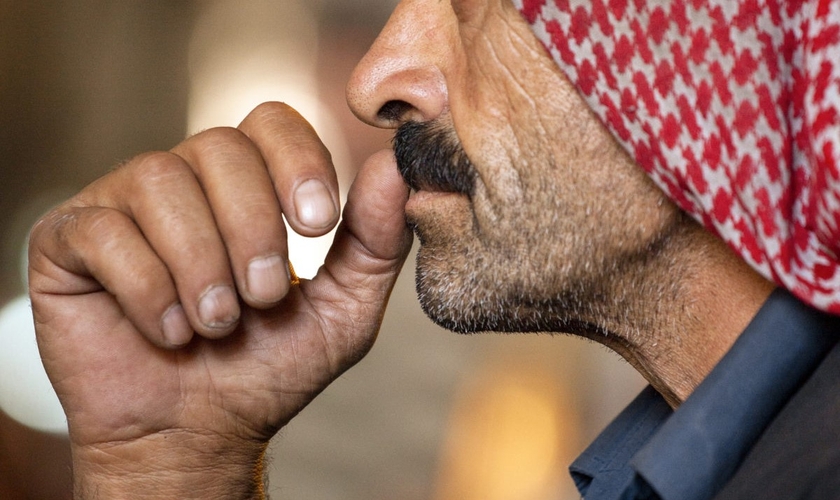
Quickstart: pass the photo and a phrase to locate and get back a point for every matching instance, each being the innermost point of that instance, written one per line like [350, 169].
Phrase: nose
[401, 78]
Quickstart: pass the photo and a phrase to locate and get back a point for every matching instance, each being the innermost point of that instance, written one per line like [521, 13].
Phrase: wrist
[169, 465]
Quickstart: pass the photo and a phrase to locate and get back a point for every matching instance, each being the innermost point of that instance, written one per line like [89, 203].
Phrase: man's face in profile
[525, 207]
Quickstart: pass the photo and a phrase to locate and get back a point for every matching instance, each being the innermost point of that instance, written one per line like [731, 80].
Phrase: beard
[544, 265]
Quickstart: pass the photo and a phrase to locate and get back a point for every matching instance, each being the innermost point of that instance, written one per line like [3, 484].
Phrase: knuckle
[82, 229]
[42, 227]
[55, 226]
[71, 230]
[101, 226]
[157, 169]
[220, 137]
[159, 164]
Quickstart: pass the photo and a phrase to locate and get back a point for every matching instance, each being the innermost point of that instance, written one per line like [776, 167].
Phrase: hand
[164, 313]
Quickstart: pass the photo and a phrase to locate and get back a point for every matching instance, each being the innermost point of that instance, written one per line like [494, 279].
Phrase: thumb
[370, 246]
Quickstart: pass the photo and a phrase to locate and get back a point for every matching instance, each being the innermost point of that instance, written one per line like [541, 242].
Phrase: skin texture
[107, 267]
[540, 232]
[176, 363]
[559, 230]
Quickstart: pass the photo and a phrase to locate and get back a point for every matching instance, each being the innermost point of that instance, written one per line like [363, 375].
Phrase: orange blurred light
[511, 435]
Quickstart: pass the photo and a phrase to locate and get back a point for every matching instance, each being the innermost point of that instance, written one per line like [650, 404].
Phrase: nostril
[393, 111]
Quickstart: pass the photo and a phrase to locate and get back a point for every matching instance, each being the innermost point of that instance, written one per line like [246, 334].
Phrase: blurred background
[428, 415]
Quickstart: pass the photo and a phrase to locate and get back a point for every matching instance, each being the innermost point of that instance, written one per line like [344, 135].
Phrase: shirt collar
[691, 454]
[602, 471]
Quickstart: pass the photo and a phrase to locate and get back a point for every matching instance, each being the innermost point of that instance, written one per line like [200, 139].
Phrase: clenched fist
[165, 315]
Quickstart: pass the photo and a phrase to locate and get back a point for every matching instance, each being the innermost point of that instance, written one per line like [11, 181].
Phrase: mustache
[430, 156]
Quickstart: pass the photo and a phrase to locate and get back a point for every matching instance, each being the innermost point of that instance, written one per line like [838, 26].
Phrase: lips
[429, 157]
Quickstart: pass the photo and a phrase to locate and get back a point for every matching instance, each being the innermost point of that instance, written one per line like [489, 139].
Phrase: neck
[688, 308]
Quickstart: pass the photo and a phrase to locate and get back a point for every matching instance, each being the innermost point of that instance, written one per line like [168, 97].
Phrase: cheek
[526, 138]
[549, 173]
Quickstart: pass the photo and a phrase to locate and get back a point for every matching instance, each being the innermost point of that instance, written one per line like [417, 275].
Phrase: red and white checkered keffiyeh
[731, 106]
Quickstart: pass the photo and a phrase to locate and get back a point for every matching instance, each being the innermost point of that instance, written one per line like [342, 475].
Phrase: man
[175, 371]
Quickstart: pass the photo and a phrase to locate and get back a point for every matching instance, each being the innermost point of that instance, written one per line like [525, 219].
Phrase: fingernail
[218, 308]
[314, 205]
[176, 328]
[268, 278]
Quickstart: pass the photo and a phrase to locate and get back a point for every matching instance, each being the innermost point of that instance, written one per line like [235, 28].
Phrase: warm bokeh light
[509, 439]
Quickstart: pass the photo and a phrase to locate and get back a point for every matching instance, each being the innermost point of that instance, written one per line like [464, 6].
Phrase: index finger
[299, 164]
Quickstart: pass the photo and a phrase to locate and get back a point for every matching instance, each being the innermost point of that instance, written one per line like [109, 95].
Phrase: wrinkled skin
[559, 219]
[560, 230]
[158, 233]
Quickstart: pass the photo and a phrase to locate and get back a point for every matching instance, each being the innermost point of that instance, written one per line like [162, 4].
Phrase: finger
[102, 249]
[241, 196]
[375, 214]
[161, 194]
[366, 256]
[300, 167]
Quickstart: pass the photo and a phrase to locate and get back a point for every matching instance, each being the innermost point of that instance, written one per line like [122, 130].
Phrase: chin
[460, 314]
[472, 295]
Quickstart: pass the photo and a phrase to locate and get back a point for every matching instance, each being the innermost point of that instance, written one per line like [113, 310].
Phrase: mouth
[430, 158]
